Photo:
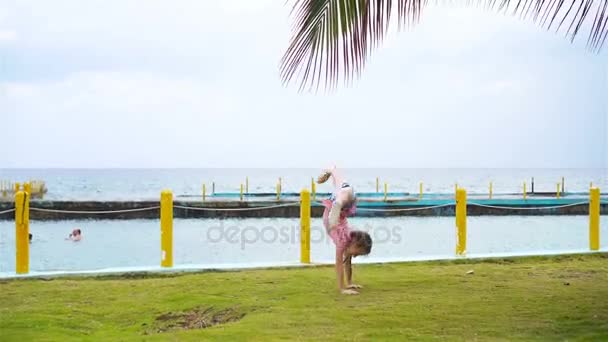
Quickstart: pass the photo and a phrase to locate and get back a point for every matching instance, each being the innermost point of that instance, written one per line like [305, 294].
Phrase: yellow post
[305, 226]
[557, 193]
[524, 191]
[377, 184]
[420, 190]
[247, 185]
[278, 191]
[594, 219]
[241, 191]
[166, 228]
[22, 231]
[490, 190]
[313, 186]
[461, 222]
[204, 192]
[385, 191]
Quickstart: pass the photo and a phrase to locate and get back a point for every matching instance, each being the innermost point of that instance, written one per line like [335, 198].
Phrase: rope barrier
[238, 209]
[93, 211]
[289, 205]
[7, 211]
[407, 209]
[526, 208]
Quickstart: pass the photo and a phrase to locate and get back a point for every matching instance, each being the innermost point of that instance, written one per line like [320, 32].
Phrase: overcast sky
[196, 84]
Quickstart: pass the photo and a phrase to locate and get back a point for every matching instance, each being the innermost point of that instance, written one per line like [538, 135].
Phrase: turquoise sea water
[213, 243]
[272, 241]
[117, 184]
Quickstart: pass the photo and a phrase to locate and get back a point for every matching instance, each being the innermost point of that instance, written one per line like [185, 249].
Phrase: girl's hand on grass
[349, 292]
[354, 286]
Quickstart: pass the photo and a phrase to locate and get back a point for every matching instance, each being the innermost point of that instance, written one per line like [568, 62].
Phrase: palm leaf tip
[333, 38]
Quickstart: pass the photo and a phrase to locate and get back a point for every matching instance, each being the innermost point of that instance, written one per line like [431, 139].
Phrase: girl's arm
[339, 269]
[349, 270]
[340, 272]
[349, 274]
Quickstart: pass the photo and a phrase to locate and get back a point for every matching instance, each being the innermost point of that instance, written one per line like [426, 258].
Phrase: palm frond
[334, 38]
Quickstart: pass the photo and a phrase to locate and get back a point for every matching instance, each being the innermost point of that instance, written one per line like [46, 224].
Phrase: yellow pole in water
[420, 190]
[524, 191]
[241, 191]
[305, 226]
[278, 191]
[166, 228]
[385, 191]
[247, 185]
[204, 192]
[377, 184]
[490, 190]
[594, 219]
[313, 186]
[461, 222]
[557, 193]
[22, 232]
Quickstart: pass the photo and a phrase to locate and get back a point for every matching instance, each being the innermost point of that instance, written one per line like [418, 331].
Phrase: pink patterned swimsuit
[341, 233]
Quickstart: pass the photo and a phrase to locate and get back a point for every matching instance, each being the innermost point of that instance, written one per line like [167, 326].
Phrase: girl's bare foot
[349, 292]
[324, 177]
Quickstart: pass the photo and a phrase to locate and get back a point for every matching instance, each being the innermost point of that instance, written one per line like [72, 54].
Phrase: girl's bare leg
[326, 216]
[337, 179]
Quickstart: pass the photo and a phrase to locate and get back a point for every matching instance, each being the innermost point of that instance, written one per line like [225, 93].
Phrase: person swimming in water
[75, 235]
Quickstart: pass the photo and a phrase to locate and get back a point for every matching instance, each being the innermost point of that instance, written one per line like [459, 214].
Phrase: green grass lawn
[537, 298]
